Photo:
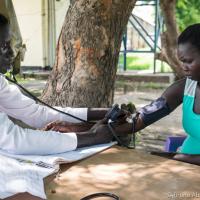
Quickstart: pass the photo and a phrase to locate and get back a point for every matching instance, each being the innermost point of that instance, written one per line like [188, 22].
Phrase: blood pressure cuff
[154, 111]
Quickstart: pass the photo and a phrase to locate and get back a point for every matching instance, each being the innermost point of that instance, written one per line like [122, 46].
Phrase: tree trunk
[169, 37]
[87, 53]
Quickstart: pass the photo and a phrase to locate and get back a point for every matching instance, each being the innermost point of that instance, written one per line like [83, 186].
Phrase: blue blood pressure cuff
[154, 111]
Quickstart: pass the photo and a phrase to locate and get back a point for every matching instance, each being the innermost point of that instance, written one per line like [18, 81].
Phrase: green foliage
[187, 13]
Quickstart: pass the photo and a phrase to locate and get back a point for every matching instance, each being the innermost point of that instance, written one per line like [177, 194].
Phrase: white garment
[18, 177]
[17, 140]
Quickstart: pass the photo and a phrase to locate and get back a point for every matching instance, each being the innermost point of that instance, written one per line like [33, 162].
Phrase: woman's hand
[100, 133]
[188, 158]
[102, 129]
[124, 114]
[65, 127]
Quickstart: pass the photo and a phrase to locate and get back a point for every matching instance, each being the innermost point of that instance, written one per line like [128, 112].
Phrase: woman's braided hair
[191, 35]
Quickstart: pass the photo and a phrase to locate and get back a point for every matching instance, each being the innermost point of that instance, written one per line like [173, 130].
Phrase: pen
[39, 163]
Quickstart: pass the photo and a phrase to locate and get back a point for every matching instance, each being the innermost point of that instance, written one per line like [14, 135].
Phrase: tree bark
[169, 37]
[87, 53]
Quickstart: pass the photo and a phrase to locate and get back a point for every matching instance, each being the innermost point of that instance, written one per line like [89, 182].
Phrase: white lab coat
[17, 140]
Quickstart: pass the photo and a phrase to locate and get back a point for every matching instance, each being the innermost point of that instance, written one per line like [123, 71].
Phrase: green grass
[142, 61]
[135, 63]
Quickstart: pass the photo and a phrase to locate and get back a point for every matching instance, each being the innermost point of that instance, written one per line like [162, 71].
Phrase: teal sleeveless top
[190, 120]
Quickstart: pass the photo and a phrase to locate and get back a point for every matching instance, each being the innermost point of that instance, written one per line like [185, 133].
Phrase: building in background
[40, 23]
[135, 41]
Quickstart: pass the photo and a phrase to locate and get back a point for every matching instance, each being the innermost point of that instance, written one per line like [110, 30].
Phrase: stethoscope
[101, 194]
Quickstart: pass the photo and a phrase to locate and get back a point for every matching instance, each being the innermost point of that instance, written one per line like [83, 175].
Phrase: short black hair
[191, 35]
[3, 20]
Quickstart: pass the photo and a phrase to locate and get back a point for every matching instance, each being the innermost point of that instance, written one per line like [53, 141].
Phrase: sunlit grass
[142, 61]
[135, 62]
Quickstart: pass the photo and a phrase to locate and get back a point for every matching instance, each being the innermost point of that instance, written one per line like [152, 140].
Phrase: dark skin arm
[94, 114]
[174, 97]
[192, 159]
[100, 133]
[87, 134]
[172, 94]
[66, 127]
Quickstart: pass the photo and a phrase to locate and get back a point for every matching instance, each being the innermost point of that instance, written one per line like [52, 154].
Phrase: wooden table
[131, 174]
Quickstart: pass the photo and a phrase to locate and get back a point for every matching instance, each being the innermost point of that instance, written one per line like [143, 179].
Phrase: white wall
[30, 22]
[33, 29]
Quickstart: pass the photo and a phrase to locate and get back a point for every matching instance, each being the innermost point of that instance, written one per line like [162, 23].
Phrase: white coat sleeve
[19, 106]
[17, 140]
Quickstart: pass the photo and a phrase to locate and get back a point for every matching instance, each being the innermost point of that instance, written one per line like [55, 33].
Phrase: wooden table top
[130, 174]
